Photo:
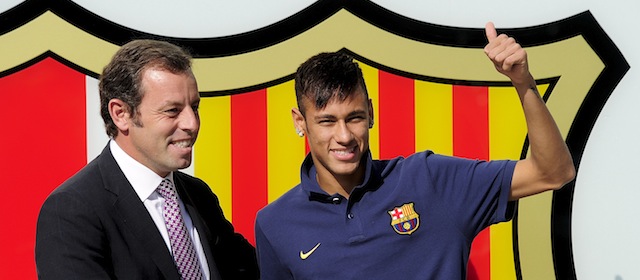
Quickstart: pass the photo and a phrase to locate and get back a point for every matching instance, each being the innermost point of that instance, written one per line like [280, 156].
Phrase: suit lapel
[131, 214]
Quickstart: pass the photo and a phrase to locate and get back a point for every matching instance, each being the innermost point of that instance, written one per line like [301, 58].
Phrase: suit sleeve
[234, 256]
[238, 257]
[69, 240]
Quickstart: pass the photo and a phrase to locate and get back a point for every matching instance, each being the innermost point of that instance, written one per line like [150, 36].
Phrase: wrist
[524, 84]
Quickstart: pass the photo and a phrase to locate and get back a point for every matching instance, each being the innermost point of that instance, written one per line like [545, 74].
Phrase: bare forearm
[549, 157]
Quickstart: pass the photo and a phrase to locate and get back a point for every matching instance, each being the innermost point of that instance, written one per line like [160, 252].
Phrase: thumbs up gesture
[508, 57]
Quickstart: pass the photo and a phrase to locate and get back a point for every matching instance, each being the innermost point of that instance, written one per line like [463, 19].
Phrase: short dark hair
[122, 77]
[326, 76]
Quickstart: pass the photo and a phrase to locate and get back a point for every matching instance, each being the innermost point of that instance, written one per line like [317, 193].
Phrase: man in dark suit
[108, 220]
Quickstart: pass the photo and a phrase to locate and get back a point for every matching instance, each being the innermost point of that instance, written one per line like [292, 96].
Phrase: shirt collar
[143, 180]
[310, 185]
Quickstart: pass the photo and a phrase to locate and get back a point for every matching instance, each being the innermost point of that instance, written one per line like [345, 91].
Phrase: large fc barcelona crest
[404, 219]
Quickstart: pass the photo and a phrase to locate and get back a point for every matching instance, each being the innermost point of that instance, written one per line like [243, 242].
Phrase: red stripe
[43, 143]
[471, 140]
[479, 267]
[248, 159]
[397, 118]
[471, 122]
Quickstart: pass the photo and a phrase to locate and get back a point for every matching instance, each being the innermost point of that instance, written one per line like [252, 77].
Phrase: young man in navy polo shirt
[352, 217]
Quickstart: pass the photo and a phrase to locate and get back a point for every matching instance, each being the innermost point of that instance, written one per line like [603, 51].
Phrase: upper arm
[233, 251]
[69, 240]
[528, 179]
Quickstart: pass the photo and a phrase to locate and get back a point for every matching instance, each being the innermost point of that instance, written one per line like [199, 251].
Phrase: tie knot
[167, 190]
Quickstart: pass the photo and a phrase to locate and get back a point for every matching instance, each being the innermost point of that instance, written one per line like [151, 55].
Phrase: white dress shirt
[145, 182]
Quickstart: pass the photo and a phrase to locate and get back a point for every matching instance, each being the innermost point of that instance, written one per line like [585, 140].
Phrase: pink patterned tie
[184, 253]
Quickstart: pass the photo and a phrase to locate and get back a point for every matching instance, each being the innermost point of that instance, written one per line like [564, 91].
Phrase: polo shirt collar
[310, 185]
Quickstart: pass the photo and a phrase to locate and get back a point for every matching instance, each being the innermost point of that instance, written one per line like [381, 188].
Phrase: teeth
[345, 152]
[183, 144]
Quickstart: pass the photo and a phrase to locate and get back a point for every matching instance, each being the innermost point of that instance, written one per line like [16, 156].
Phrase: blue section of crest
[399, 227]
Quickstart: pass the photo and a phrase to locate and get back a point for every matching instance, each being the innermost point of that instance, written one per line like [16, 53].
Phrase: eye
[356, 119]
[172, 112]
[326, 122]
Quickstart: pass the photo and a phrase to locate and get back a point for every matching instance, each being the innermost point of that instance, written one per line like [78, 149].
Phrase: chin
[183, 165]
[345, 171]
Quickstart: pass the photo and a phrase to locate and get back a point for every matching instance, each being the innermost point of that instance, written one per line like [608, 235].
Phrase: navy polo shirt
[412, 218]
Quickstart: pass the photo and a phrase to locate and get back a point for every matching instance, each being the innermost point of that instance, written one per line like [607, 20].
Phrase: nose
[343, 133]
[189, 120]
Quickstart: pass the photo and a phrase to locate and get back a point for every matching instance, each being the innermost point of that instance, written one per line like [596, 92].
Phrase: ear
[119, 112]
[371, 117]
[298, 122]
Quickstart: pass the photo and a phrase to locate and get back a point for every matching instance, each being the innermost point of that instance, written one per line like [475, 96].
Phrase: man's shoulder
[87, 178]
[196, 187]
[401, 163]
[82, 191]
[188, 179]
[92, 176]
[287, 202]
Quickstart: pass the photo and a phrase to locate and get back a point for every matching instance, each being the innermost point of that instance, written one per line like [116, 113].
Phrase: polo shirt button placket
[350, 216]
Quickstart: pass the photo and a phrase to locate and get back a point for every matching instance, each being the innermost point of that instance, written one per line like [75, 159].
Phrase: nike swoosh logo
[304, 255]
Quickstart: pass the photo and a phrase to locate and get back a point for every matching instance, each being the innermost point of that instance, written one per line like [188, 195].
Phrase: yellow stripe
[371, 80]
[434, 113]
[285, 148]
[212, 152]
[502, 256]
[507, 131]
[534, 231]
[407, 209]
[507, 126]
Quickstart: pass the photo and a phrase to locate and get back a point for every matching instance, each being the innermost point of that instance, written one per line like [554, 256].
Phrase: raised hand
[508, 57]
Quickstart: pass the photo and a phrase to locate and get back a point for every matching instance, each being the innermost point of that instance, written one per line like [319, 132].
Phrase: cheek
[320, 135]
[360, 131]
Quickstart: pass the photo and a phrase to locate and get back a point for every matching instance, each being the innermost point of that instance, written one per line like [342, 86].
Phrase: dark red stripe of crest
[248, 159]
[471, 140]
[397, 117]
[57, 141]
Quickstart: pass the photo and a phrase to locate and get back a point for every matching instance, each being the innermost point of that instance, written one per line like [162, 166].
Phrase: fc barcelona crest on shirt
[404, 219]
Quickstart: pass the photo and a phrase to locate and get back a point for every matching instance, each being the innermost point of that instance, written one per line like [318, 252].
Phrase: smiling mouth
[346, 153]
[183, 143]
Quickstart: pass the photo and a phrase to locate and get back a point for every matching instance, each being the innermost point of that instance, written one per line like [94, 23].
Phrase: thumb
[490, 31]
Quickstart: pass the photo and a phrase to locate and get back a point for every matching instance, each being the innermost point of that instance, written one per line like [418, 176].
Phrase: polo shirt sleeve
[475, 192]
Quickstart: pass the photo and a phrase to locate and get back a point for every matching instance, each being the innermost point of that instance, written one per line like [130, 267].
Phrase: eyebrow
[172, 103]
[357, 112]
[351, 114]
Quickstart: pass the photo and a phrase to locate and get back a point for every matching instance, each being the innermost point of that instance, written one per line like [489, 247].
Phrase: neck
[342, 185]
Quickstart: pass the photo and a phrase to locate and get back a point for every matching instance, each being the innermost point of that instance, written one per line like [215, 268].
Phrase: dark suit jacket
[94, 226]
